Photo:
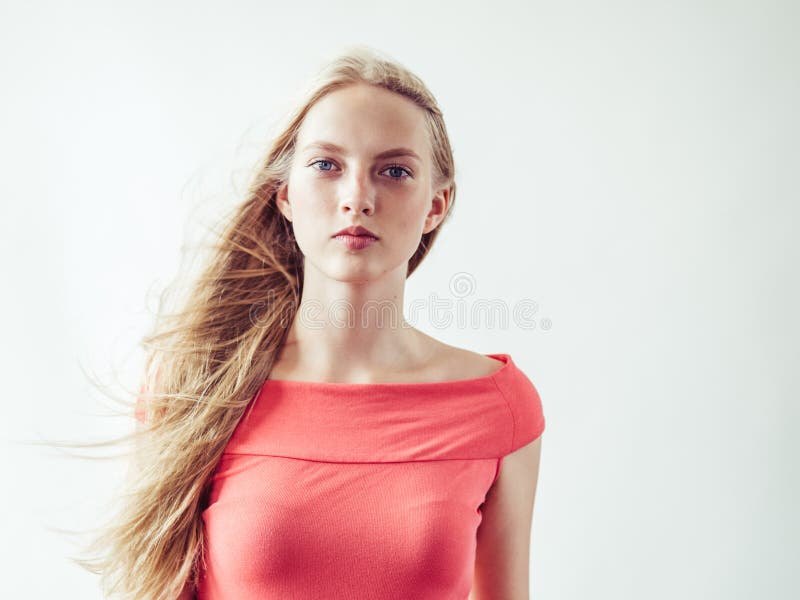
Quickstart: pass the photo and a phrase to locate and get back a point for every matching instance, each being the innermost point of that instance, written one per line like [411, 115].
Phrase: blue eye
[322, 161]
[401, 168]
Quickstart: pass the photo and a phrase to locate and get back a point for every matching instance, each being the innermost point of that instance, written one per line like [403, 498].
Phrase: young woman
[298, 438]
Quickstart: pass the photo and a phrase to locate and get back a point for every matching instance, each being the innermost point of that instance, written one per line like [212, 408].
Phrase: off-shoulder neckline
[504, 358]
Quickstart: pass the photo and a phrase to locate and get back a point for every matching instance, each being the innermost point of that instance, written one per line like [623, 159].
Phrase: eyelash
[394, 166]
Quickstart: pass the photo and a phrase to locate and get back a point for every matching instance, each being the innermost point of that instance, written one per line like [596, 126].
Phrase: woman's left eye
[401, 168]
[394, 168]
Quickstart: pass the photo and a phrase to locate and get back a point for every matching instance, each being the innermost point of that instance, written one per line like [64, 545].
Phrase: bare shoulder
[453, 363]
[468, 364]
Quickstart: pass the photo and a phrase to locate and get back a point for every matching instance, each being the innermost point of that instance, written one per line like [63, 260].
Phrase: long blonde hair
[206, 362]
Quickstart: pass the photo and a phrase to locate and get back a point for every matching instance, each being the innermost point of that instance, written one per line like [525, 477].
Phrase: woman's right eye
[322, 160]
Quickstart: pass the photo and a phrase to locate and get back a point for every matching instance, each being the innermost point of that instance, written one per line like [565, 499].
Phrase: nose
[357, 194]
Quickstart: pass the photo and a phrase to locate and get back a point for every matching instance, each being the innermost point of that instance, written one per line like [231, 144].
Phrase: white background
[631, 167]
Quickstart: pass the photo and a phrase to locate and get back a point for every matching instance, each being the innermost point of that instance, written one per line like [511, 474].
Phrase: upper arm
[188, 591]
[502, 560]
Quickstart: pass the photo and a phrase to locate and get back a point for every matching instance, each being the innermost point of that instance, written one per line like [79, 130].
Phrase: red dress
[362, 491]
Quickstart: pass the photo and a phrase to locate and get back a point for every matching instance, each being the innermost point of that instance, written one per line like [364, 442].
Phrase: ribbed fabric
[362, 491]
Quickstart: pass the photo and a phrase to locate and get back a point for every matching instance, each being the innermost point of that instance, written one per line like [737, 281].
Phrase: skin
[397, 200]
[351, 187]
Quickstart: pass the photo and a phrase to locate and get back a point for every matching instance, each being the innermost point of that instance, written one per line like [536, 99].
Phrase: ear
[282, 201]
[440, 204]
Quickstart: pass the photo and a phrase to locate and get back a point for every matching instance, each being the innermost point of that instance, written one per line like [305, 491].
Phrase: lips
[356, 230]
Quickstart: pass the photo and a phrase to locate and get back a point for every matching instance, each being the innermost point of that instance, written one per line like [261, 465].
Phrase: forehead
[367, 118]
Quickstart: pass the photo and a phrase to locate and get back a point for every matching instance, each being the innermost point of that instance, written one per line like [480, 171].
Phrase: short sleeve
[525, 407]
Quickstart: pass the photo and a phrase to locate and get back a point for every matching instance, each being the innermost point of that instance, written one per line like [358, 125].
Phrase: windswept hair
[207, 360]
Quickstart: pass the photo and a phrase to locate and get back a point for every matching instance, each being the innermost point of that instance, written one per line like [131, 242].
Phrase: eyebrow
[331, 147]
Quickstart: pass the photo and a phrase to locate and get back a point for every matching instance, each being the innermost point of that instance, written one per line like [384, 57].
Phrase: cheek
[409, 225]
[308, 223]
[312, 198]
[414, 215]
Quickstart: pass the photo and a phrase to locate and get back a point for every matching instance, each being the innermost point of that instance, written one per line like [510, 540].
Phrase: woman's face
[350, 183]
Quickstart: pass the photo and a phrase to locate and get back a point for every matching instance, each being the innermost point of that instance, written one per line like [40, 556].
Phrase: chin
[353, 275]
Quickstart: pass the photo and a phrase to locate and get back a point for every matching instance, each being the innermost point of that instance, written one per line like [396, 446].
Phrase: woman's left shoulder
[460, 363]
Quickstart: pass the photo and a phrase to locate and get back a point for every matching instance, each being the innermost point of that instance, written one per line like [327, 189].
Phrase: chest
[362, 530]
